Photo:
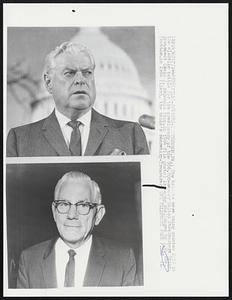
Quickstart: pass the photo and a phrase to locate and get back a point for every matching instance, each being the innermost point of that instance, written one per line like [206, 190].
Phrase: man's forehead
[71, 187]
[79, 59]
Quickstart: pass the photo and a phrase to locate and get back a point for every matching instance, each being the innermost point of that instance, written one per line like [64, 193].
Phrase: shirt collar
[63, 120]
[86, 118]
[63, 248]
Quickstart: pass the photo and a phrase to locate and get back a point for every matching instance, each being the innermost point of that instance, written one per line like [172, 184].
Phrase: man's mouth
[80, 93]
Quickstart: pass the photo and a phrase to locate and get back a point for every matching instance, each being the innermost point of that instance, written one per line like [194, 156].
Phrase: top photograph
[80, 91]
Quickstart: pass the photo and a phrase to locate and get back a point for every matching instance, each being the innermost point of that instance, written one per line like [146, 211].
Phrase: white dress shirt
[67, 130]
[81, 260]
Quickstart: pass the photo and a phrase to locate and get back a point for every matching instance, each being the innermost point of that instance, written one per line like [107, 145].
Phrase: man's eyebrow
[78, 201]
[61, 200]
[65, 68]
[69, 69]
[86, 200]
[87, 68]
[83, 201]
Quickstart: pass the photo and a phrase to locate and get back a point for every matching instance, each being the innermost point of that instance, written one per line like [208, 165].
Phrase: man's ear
[54, 212]
[100, 214]
[48, 82]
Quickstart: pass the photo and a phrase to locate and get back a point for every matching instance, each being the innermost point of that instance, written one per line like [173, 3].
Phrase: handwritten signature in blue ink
[164, 258]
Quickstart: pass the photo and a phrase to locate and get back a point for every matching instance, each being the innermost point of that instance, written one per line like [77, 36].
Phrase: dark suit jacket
[44, 138]
[109, 265]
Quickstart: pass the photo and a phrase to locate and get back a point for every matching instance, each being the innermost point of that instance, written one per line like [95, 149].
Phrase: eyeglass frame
[90, 206]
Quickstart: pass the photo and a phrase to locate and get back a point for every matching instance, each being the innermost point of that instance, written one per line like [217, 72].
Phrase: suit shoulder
[37, 248]
[30, 126]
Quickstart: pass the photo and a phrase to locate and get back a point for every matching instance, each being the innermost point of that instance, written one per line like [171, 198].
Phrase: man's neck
[73, 114]
[77, 244]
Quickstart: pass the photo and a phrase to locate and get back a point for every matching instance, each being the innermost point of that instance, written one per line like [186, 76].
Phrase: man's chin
[72, 240]
[82, 100]
[80, 106]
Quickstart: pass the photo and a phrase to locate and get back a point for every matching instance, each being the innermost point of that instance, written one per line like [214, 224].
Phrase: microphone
[147, 121]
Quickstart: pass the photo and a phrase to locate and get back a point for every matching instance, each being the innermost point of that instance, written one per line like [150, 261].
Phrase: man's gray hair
[68, 47]
[80, 177]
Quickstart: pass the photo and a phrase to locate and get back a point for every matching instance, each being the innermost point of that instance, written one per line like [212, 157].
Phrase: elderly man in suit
[74, 127]
[77, 258]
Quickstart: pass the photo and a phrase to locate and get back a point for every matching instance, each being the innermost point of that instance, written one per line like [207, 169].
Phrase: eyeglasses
[83, 208]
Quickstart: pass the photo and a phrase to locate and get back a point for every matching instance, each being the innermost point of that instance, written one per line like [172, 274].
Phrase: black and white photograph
[98, 82]
[74, 225]
[115, 149]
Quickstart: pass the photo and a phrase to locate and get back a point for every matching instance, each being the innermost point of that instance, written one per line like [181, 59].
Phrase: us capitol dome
[120, 94]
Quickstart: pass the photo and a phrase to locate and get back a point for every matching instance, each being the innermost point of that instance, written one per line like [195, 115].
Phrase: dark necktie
[75, 141]
[70, 270]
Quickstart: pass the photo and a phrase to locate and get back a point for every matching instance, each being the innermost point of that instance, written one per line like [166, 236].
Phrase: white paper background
[201, 32]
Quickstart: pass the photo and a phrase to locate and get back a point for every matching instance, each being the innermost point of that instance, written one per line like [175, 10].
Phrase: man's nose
[79, 78]
[72, 213]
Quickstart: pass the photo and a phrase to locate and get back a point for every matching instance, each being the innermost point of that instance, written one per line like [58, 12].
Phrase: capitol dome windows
[124, 110]
[115, 109]
[106, 107]
[132, 112]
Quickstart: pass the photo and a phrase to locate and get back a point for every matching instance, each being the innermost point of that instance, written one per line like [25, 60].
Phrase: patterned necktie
[70, 270]
[75, 141]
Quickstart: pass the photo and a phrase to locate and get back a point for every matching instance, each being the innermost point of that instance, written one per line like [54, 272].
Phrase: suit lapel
[96, 264]
[48, 266]
[98, 130]
[52, 132]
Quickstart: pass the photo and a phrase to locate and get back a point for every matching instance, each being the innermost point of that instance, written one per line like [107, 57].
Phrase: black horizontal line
[154, 185]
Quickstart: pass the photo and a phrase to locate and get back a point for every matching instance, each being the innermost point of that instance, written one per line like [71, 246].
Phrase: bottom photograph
[74, 224]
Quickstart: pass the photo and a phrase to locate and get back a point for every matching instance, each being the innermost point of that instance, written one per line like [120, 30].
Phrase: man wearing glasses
[76, 258]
